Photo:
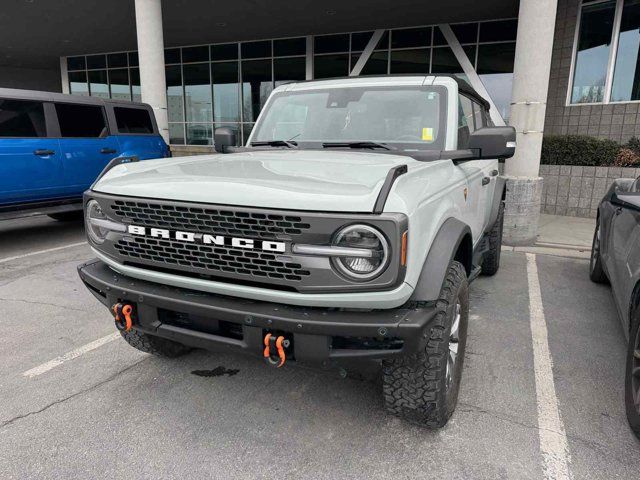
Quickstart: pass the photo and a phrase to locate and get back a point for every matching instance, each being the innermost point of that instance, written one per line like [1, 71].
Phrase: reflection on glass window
[199, 134]
[376, 65]
[226, 97]
[119, 81]
[626, 78]
[175, 97]
[592, 57]
[197, 91]
[78, 83]
[495, 67]
[176, 133]
[98, 83]
[256, 87]
[136, 91]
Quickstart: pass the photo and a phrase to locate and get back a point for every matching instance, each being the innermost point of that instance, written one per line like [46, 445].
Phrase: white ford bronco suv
[347, 229]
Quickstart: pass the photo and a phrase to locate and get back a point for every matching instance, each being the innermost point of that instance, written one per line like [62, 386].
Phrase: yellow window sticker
[427, 134]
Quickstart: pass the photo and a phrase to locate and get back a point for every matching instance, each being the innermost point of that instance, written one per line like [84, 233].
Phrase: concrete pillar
[534, 45]
[153, 82]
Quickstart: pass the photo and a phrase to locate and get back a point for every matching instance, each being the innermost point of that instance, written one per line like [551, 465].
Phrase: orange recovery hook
[274, 347]
[123, 314]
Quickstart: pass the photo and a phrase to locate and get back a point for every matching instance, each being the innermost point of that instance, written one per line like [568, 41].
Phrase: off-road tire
[158, 346]
[633, 415]
[74, 216]
[596, 272]
[491, 259]
[414, 386]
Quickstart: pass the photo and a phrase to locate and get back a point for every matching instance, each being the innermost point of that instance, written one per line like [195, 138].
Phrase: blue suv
[53, 146]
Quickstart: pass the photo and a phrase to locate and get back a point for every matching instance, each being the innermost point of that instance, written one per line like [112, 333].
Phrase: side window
[81, 120]
[478, 116]
[465, 121]
[133, 120]
[22, 118]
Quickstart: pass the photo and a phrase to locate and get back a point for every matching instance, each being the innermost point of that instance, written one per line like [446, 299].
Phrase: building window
[226, 85]
[606, 62]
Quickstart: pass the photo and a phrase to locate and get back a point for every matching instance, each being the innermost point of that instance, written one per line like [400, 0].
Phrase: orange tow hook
[274, 350]
[123, 314]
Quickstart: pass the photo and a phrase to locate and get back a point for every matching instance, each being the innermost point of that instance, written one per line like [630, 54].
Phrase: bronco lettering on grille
[207, 239]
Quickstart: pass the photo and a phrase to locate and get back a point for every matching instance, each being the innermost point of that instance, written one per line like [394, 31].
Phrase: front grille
[221, 221]
[207, 259]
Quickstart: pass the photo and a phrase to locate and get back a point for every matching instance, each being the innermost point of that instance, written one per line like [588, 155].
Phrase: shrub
[579, 150]
[634, 145]
[627, 158]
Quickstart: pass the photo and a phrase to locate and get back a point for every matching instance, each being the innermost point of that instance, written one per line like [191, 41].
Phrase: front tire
[491, 259]
[423, 388]
[596, 272]
[158, 346]
[632, 378]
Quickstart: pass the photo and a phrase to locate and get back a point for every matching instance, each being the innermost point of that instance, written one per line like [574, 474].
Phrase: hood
[331, 181]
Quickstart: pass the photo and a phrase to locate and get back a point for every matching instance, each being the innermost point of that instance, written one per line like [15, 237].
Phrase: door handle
[43, 152]
[108, 150]
[486, 181]
[618, 210]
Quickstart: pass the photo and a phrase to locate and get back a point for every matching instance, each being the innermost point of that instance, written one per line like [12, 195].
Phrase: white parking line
[39, 252]
[553, 438]
[45, 367]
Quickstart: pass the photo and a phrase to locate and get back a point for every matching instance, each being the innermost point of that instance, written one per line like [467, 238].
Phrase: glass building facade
[210, 86]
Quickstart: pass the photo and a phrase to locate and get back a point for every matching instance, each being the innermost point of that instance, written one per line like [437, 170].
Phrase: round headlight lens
[362, 237]
[93, 210]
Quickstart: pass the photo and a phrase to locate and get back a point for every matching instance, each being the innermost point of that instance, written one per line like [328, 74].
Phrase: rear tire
[423, 388]
[632, 378]
[158, 346]
[596, 272]
[67, 216]
[491, 259]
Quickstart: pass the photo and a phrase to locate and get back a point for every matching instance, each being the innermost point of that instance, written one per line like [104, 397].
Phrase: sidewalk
[562, 236]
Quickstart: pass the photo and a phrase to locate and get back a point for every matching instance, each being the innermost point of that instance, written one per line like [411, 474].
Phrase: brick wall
[577, 191]
[617, 122]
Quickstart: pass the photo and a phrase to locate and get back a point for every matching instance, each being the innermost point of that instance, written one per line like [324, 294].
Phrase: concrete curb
[567, 251]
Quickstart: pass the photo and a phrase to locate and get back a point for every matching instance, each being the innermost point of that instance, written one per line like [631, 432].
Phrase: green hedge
[582, 150]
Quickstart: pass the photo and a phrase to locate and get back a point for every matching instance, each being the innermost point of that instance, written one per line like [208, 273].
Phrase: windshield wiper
[358, 145]
[275, 143]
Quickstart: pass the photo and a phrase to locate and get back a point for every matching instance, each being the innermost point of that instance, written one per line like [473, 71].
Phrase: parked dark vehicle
[53, 146]
[615, 258]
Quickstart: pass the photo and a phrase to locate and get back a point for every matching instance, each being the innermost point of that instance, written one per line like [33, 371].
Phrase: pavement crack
[33, 302]
[70, 397]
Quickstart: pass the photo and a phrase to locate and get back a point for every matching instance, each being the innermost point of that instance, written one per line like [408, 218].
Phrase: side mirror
[493, 142]
[223, 138]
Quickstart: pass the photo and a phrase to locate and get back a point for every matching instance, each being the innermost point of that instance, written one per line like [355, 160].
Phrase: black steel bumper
[318, 335]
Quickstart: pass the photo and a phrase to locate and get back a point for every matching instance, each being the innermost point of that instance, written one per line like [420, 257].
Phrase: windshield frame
[442, 90]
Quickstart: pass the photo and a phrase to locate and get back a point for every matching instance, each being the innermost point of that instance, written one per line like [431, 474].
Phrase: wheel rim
[595, 249]
[635, 372]
[454, 341]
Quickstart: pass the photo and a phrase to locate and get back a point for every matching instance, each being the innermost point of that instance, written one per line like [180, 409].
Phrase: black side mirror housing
[223, 138]
[493, 142]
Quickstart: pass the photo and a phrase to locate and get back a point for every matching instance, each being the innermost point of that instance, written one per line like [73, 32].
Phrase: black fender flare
[441, 254]
[498, 197]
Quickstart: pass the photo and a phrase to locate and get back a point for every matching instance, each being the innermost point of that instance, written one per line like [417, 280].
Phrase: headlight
[98, 224]
[365, 238]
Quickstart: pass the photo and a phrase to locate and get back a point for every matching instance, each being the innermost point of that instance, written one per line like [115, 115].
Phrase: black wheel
[632, 378]
[423, 388]
[158, 346]
[596, 272]
[491, 259]
[67, 216]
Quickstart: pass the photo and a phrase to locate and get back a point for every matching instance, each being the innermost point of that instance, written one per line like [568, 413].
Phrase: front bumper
[204, 320]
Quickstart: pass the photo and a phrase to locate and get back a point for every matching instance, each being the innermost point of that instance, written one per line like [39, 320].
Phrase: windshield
[401, 117]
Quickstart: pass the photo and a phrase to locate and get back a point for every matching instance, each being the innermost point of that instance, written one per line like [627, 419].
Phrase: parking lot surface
[77, 402]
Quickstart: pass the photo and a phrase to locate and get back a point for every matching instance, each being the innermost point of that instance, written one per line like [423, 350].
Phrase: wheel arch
[453, 242]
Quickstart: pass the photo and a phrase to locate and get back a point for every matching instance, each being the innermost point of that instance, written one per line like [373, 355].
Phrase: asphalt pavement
[77, 402]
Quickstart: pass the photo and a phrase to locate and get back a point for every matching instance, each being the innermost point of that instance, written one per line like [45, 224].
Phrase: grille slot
[220, 221]
[207, 259]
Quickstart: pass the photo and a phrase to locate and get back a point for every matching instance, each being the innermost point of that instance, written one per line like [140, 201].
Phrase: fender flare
[441, 254]
[498, 197]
